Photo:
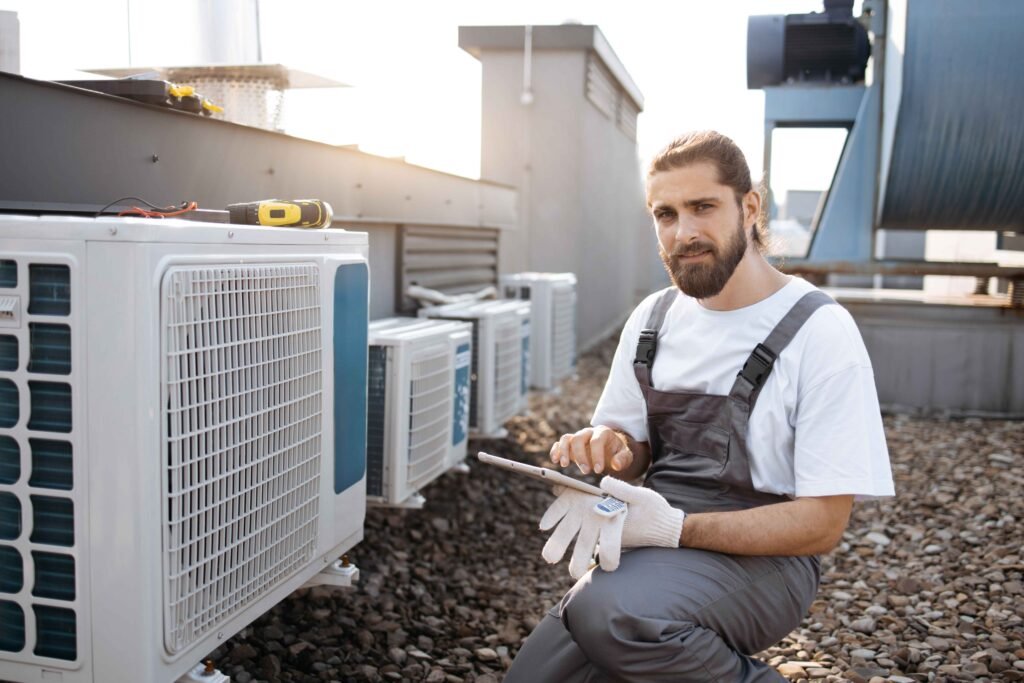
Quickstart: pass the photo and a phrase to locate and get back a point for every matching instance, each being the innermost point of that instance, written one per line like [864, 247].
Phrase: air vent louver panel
[9, 407]
[50, 407]
[10, 460]
[55, 632]
[12, 627]
[508, 357]
[55, 576]
[53, 521]
[376, 405]
[51, 464]
[11, 570]
[49, 289]
[8, 353]
[430, 398]
[243, 386]
[49, 349]
[10, 516]
[8, 274]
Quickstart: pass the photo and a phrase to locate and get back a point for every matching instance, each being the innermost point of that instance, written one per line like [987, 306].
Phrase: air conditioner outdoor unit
[553, 336]
[418, 405]
[496, 362]
[522, 309]
[182, 435]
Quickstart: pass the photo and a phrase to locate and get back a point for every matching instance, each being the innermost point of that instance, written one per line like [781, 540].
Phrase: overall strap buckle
[758, 366]
[646, 347]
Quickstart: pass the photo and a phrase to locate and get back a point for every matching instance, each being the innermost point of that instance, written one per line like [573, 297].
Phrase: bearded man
[745, 401]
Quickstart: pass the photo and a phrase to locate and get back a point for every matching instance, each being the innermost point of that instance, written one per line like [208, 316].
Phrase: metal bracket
[339, 573]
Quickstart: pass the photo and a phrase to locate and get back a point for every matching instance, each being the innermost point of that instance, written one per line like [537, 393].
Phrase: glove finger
[583, 553]
[611, 542]
[555, 512]
[622, 490]
[556, 546]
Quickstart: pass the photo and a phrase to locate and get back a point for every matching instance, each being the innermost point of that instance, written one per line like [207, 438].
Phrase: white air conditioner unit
[553, 337]
[182, 435]
[495, 380]
[418, 405]
[523, 312]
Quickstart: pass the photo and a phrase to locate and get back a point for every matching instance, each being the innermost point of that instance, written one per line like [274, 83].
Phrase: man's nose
[685, 230]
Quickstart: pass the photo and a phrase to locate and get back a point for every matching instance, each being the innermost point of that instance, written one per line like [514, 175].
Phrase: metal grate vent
[507, 358]
[8, 274]
[10, 460]
[377, 384]
[243, 392]
[49, 289]
[12, 626]
[9, 406]
[11, 572]
[49, 349]
[55, 576]
[430, 395]
[55, 627]
[563, 323]
[8, 352]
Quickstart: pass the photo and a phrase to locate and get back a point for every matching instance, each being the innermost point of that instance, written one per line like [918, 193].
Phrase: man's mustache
[693, 248]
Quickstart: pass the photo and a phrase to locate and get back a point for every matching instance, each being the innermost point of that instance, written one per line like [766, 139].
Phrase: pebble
[932, 578]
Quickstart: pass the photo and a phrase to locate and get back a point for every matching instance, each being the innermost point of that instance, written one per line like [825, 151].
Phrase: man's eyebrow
[701, 200]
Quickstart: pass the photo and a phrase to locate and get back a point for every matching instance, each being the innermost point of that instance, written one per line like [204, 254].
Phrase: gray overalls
[681, 614]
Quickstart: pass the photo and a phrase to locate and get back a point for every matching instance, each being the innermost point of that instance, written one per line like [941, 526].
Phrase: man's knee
[610, 633]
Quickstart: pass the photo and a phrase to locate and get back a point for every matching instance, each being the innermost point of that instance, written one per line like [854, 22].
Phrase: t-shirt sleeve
[621, 405]
[839, 443]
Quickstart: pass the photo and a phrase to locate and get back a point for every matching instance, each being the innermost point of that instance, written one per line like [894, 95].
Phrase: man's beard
[705, 280]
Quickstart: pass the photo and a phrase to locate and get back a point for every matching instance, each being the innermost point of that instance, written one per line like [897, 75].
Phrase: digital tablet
[542, 473]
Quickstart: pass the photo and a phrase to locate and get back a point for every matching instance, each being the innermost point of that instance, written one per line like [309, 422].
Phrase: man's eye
[663, 215]
[704, 207]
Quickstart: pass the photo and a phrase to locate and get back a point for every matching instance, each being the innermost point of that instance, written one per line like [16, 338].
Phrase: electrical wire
[174, 211]
[153, 211]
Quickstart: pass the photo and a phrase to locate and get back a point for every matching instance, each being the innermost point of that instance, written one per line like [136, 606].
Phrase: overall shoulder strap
[647, 345]
[759, 365]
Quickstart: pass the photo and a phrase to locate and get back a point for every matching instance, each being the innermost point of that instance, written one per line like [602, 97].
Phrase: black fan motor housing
[820, 47]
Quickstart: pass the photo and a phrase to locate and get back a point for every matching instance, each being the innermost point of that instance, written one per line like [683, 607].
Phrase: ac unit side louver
[182, 435]
[418, 396]
[496, 362]
[553, 325]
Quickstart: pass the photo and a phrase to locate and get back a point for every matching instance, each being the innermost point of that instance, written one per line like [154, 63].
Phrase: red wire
[172, 211]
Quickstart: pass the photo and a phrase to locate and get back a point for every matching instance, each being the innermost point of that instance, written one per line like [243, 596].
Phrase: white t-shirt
[816, 429]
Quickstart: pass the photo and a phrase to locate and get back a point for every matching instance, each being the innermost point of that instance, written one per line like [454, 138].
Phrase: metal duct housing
[828, 47]
[953, 126]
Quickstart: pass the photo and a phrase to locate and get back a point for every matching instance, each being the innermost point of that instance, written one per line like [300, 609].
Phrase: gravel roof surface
[925, 587]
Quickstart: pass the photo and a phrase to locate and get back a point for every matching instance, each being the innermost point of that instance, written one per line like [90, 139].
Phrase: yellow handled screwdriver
[282, 213]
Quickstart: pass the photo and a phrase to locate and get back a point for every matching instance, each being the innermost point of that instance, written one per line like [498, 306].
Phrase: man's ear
[751, 207]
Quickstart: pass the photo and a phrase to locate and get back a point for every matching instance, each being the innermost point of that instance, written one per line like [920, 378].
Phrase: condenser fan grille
[242, 397]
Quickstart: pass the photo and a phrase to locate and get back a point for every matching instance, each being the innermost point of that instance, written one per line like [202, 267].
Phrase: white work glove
[650, 520]
[573, 511]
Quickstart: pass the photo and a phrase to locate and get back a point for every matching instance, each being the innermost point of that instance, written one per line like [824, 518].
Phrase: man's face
[701, 235]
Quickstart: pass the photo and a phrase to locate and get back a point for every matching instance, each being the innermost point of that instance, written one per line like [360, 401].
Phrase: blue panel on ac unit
[460, 414]
[351, 318]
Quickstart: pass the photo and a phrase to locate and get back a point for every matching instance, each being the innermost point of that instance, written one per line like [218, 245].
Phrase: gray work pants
[670, 614]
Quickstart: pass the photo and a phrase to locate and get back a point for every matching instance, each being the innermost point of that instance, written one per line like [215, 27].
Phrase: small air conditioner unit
[495, 380]
[553, 336]
[182, 435]
[523, 311]
[418, 405]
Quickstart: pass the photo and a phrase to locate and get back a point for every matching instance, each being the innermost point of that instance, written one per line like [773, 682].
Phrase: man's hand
[574, 513]
[650, 520]
[600, 449]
